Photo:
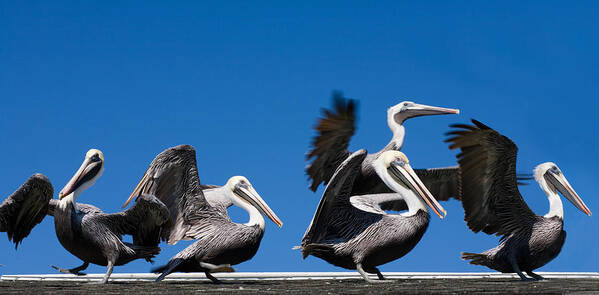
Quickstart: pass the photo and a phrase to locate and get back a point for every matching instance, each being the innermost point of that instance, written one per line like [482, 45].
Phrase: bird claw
[226, 268]
[535, 276]
[69, 271]
[378, 281]
[102, 282]
[529, 279]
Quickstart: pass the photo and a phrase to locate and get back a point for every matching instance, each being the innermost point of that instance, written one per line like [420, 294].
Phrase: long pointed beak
[86, 172]
[251, 196]
[406, 174]
[563, 186]
[139, 189]
[426, 110]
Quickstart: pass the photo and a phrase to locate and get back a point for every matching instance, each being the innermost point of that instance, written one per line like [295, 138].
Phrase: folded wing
[336, 196]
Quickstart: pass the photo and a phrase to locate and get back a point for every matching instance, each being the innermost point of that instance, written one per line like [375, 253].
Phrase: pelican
[25, 208]
[353, 231]
[199, 212]
[335, 131]
[84, 230]
[493, 204]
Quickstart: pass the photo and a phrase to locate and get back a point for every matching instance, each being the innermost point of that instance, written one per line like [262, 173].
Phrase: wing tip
[183, 147]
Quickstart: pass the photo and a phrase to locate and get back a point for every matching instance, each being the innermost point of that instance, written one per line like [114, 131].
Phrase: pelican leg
[516, 269]
[212, 278]
[75, 270]
[535, 276]
[365, 275]
[379, 274]
[217, 268]
[211, 268]
[108, 272]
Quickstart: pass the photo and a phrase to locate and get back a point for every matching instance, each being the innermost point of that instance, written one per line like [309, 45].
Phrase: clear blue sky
[244, 83]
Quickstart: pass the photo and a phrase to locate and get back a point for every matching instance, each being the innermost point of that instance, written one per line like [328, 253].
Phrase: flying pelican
[84, 230]
[335, 131]
[353, 231]
[493, 204]
[199, 213]
[25, 208]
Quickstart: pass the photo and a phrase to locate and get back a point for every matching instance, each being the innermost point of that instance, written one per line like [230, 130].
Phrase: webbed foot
[75, 271]
[535, 276]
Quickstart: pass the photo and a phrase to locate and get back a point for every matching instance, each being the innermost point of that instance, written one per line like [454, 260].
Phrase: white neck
[413, 202]
[255, 216]
[555, 202]
[66, 201]
[399, 133]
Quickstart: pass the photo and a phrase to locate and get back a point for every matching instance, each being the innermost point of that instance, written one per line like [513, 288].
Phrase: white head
[90, 170]
[393, 167]
[244, 196]
[552, 180]
[404, 110]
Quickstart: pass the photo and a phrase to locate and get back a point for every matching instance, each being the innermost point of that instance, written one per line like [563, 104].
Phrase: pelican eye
[400, 162]
[243, 184]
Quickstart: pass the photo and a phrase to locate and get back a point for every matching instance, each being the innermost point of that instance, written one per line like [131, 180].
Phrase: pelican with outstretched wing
[84, 230]
[199, 212]
[493, 204]
[330, 149]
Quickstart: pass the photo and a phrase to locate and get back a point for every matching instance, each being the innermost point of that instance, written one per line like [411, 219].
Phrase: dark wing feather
[173, 178]
[338, 191]
[144, 220]
[490, 196]
[208, 186]
[25, 208]
[443, 183]
[329, 147]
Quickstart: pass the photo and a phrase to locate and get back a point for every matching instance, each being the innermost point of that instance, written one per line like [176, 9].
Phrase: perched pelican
[493, 204]
[353, 231]
[25, 208]
[335, 131]
[200, 213]
[96, 237]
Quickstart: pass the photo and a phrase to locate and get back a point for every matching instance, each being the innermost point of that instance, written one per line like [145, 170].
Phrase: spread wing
[173, 178]
[443, 183]
[490, 196]
[144, 220]
[337, 193]
[25, 208]
[329, 147]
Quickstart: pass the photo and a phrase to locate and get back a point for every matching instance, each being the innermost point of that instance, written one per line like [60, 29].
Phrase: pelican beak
[425, 110]
[403, 173]
[88, 170]
[138, 189]
[563, 186]
[248, 194]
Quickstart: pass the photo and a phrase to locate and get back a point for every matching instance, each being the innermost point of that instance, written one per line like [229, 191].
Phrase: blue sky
[244, 83]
